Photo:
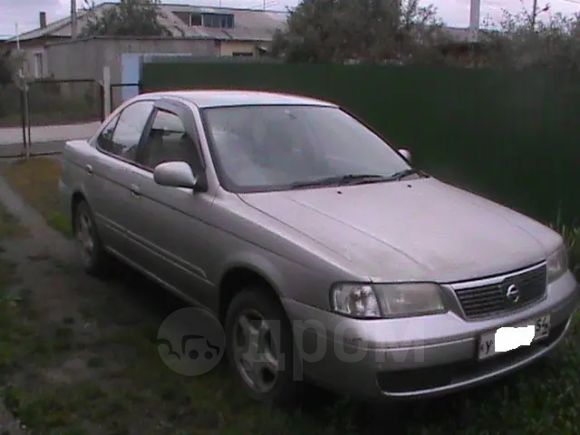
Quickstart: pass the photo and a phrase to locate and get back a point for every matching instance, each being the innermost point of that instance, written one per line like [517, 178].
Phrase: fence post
[101, 101]
[107, 94]
[23, 119]
[27, 142]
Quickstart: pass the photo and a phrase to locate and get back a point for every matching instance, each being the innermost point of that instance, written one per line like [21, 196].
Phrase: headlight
[409, 299]
[387, 300]
[557, 264]
[356, 300]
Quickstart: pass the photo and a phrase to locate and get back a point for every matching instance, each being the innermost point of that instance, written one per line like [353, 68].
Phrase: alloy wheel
[256, 354]
[85, 236]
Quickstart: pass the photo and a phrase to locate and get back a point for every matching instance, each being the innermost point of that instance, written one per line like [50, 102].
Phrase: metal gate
[39, 116]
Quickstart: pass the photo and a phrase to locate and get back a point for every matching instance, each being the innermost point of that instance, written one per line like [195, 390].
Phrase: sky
[453, 12]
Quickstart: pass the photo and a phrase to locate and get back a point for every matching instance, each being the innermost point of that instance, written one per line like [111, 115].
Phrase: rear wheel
[95, 259]
[259, 346]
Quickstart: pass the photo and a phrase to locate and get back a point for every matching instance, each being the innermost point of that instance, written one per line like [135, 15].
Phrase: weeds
[571, 236]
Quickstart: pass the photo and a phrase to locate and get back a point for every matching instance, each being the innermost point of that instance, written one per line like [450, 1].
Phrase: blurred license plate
[511, 338]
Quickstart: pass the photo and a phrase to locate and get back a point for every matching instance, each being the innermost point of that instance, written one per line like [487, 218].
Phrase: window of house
[242, 54]
[195, 19]
[168, 141]
[124, 137]
[38, 70]
[220, 21]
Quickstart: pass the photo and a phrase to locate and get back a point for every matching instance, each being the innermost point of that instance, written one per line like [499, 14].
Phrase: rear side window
[168, 141]
[125, 137]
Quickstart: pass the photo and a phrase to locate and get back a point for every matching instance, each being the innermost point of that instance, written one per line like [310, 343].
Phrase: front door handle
[89, 169]
[135, 191]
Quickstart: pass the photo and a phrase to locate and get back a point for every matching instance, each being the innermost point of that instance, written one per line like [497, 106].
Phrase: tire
[95, 260]
[254, 312]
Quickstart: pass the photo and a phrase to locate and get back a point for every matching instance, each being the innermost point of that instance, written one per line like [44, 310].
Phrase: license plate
[513, 337]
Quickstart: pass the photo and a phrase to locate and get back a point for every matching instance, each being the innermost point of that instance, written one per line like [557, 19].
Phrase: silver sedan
[324, 254]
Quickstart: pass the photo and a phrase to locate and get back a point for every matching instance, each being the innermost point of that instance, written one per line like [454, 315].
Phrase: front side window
[128, 131]
[167, 141]
[261, 148]
[105, 139]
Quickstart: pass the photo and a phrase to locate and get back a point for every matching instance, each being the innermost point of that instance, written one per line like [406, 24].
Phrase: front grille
[487, 300]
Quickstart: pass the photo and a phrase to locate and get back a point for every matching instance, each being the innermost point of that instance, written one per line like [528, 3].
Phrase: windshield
[261, 148]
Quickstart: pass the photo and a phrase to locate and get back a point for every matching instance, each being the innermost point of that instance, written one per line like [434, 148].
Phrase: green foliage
[524, 42]
[128, 18]
[36, 180]
[571, 235]
[361, 30]
[511, 136]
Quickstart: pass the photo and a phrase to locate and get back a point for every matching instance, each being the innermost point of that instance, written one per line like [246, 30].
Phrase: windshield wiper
[340, 180]
[402, 174]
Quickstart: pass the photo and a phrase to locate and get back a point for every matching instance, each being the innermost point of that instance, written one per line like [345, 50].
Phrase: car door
[114, 172]
[173, 223]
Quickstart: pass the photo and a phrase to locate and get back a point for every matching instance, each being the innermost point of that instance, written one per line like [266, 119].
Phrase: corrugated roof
[250, 25]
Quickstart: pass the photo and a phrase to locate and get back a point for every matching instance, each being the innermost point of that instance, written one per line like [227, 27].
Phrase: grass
[572, 238]
[36, 180]
[127, 389]
[9, 226]
[143, 395]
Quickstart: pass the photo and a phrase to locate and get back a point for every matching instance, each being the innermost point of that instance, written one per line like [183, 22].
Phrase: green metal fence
[511, 136]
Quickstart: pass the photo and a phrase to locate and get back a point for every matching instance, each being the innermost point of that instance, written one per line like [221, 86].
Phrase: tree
[361, 30]
[128, 18]
[550, 43]
[5, 68]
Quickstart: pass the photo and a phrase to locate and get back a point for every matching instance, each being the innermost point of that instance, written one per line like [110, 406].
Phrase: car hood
[410, 230]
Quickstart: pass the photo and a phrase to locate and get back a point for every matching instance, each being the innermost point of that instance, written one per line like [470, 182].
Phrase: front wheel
[260, 347]
[95, 259]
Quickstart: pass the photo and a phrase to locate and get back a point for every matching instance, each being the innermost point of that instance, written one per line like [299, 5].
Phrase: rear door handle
[135, 191]
[89, 169]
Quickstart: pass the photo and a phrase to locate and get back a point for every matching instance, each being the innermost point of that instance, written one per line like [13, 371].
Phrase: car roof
[223, 98]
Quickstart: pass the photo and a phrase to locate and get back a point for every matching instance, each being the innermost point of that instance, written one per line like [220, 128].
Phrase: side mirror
[174, 174]
[406, 154]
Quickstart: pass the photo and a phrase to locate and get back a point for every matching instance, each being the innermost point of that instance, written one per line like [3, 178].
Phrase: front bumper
[418, 356]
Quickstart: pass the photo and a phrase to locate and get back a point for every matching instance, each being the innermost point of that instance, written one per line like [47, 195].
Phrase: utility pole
[24, 110]
[474, 19]
[17, 36]
[73, 18]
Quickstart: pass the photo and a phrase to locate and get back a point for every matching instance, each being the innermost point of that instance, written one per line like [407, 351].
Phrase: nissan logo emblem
[512, 294]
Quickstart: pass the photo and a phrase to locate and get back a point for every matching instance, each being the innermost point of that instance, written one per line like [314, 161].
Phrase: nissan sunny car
[324, 254]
